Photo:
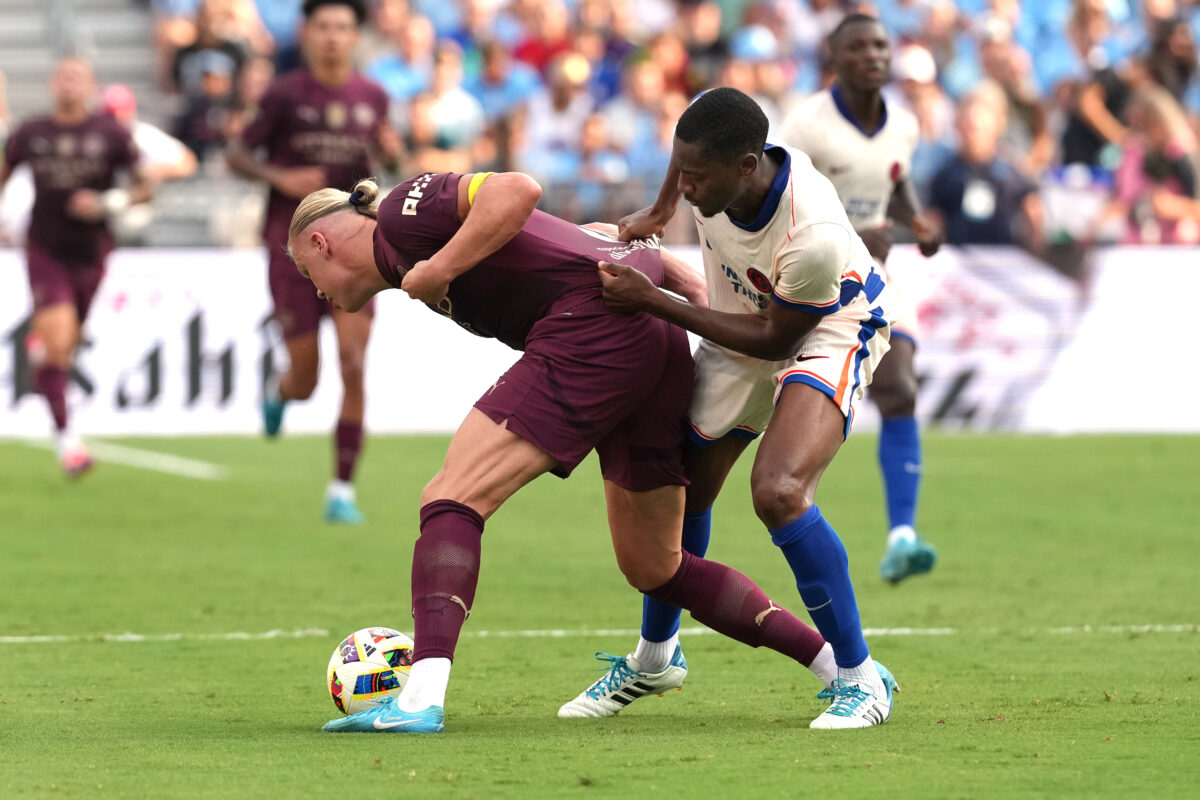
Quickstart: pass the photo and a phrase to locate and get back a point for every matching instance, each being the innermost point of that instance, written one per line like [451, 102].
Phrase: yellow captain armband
[476, 181]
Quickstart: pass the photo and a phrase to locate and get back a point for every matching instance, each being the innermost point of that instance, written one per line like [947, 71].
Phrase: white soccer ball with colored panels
[369, 665]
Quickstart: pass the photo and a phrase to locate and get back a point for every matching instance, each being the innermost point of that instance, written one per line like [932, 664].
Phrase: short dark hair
[727, 122]
[359, 7]
[848, 20]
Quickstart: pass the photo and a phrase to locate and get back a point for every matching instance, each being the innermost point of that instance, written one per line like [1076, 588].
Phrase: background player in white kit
[793, 330]
[864, 146]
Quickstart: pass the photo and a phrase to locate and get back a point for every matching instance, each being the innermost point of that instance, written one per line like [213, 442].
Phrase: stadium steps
[211, 209]
[115, 35]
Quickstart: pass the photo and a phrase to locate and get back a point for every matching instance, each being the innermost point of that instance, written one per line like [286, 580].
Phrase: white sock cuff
[655, 656]
[342, 490]
[902, 533]
[427, 682]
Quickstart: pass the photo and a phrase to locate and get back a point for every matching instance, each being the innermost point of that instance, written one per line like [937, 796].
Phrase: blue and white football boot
[386, 717]
[851, 706]
[622, 683]
[343, 511]
[906, 554]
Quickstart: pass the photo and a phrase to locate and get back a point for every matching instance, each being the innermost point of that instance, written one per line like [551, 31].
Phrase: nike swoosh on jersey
[809, 358]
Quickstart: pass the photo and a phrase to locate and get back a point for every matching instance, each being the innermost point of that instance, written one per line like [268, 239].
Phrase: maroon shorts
[298, 310]
[53, 281]
[593, 378]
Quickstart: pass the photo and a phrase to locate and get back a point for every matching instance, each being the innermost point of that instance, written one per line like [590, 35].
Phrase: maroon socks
[731, 604]
[445, 571]
[348, 443]
[52, 382]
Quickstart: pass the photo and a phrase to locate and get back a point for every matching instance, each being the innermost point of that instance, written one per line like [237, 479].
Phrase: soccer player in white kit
[794, 330]
[864, 146]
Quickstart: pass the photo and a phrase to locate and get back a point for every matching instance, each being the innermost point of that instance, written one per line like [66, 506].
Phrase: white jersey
[864, 168]
[800, 252]
[777, 256]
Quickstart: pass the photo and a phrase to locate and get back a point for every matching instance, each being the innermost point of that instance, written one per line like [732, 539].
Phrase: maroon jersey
[303, 123]
[548, 268]
[65, 159]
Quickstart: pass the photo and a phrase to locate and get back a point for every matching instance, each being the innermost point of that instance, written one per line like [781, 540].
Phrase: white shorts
[901, 307]
[735, 395]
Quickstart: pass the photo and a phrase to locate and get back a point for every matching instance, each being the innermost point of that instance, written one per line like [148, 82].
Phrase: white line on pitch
[150, 460]
[125, 638]
[310, 633]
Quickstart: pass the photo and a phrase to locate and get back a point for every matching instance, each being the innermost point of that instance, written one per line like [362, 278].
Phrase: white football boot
[851, 706]
[622, 683]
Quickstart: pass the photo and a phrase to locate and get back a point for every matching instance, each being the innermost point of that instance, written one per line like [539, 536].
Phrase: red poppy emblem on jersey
[896, 172]
[759, 280]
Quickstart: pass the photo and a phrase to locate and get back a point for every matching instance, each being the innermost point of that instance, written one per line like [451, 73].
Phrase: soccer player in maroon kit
[474, 248]
[75, 157]
[319, 126]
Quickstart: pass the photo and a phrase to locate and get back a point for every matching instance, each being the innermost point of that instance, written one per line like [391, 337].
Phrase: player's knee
[352, 368]
[779, 498]
[300, 385]
[896, 398]
[57, 350]
[646, 574]
[699, 499]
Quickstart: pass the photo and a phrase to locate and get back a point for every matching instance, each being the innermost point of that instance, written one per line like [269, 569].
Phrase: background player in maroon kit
[75, 157]
[318, 127]
[475, 249]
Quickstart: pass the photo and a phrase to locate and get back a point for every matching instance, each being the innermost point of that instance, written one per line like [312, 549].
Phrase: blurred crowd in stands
[1089, 107]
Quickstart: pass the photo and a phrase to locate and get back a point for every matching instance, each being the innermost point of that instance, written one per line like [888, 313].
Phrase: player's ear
[319, 243]
[748, 163]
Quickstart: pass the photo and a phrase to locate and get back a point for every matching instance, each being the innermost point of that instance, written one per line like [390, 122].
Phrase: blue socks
[660, 621]
[818, 560]
[900, 461]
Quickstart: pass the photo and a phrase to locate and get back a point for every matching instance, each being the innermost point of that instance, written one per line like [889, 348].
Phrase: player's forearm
[750, 334]
[243, 162]
[904, 205]
[502, 205]
[668, 194]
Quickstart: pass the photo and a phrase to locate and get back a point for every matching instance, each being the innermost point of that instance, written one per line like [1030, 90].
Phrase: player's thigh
[353, 333]
[894, 380]
[708, 466]
[805, 434]
[485, 465]
[646, 528]
[304, 358]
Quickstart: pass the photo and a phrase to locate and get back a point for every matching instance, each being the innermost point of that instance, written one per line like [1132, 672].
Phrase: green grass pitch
[1036, 534]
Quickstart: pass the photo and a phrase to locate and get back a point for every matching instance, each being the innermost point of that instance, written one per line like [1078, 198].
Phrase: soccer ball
[367, 666]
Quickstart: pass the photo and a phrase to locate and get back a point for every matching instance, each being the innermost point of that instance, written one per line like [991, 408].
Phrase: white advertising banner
[179, 341]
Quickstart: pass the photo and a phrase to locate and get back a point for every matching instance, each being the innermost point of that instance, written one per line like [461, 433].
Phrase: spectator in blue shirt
[503, 84]
[408, 69]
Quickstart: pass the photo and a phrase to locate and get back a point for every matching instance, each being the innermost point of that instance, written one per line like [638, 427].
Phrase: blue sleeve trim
[808, 308]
